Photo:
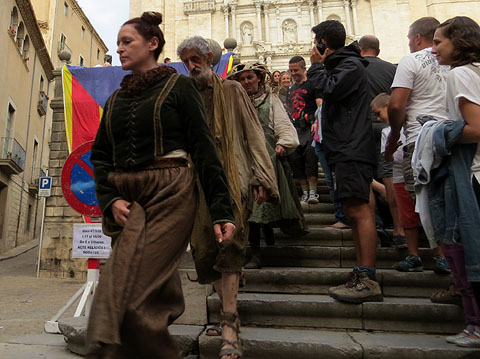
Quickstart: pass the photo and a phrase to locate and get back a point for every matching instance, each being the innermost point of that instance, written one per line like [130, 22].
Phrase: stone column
[310, 9]
[300, 24]
[258, 8]
[279, 27]
[356, 30]
[320, 10]
[346, 6]
[225, 15]
[267, 22]
[233, 7]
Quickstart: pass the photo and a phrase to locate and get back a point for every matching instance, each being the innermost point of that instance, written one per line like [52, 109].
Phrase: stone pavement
[25, 303]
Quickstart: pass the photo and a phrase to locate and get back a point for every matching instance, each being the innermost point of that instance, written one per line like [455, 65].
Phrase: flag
[86, 89]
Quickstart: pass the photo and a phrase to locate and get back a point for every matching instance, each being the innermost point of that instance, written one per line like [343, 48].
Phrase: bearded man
[242, 148]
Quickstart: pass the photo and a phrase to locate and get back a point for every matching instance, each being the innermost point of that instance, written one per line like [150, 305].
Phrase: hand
[314, 126]
[260, 194]
[120, 211]
[391, 146]
[280, 151]
[316, 56]
[224, 231]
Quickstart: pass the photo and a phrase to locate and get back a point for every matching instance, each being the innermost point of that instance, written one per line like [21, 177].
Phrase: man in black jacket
[349, 147]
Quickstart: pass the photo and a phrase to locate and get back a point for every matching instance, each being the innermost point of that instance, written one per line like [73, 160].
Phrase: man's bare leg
[227, 289]
[392, 204]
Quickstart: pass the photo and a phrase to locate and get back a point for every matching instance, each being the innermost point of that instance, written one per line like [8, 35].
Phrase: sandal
[213, 330]
[232, 321]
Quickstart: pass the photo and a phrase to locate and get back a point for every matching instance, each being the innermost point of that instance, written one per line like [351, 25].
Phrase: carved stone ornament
[246, 31]
[289, 31]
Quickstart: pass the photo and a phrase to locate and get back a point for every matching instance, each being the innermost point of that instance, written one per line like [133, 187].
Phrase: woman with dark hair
[275, 80]
[148, 197]
[457, 43]
[281, 140]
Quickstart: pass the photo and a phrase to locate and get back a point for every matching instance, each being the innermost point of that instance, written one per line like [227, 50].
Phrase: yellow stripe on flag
[68, 105]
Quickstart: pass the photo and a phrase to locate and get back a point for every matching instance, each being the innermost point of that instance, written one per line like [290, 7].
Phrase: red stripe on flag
[85, 115]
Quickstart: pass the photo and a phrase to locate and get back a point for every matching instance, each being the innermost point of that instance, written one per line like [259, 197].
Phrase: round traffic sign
[78, 184]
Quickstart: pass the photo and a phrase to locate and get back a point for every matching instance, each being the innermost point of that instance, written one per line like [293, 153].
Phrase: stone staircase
[286, 312]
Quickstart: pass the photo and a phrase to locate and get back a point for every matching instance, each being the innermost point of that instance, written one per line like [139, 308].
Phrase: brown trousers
[140, 293]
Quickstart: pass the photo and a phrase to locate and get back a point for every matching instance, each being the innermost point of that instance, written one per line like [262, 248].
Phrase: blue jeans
[337, 205]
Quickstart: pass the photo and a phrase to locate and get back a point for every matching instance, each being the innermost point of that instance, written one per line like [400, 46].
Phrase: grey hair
[196, 42]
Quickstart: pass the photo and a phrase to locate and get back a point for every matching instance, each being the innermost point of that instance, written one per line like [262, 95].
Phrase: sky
[106, 17]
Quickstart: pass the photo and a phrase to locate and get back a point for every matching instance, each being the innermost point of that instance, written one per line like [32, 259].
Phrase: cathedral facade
[272, 31]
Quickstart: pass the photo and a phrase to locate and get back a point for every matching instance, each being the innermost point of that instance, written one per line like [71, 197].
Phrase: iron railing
[12, 150]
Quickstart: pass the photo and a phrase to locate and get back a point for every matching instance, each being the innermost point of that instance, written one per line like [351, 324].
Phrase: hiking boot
[447, 296]
[399, 241]
[350, 279]
[359, 289]
[441, 265]
[409, 264]
[313, 197]
[454, 338]
[472, 341]
[304, 197]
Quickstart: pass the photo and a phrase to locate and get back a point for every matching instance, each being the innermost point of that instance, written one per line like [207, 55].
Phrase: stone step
[319, 236]
[323, 218]
[319, 207]
[293, 255]
[321, 311]
[267, 343]
[318, 280]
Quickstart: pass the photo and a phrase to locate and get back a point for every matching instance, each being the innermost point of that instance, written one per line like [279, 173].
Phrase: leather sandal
[231, 320]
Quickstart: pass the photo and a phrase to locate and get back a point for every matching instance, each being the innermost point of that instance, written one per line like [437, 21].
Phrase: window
[63, 41]
[42, 82]
[83, 32]
[13, 22]
[65, 8]
[8, 129]
[26, 48]
[34, 160]
[28, 219]
[81, 60]
[98, 54]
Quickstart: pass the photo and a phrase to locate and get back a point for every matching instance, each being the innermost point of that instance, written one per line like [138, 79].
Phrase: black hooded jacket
[346, 127]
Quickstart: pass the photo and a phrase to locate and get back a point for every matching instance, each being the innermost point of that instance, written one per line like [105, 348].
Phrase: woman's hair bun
[152, 17]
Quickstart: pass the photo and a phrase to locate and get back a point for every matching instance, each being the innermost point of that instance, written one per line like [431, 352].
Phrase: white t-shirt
[420, 72]
[397, 156]
[462, 81]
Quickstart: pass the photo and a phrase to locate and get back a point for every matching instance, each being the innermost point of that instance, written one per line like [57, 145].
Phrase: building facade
[25, 73]
[272, 31]
[65, 26]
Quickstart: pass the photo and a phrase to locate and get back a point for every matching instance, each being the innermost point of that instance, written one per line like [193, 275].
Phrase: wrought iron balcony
[42, 103]
[198, 6]
[35, 179]
[12, 159]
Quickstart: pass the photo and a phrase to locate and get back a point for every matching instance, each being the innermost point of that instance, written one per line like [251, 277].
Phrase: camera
[321, 48]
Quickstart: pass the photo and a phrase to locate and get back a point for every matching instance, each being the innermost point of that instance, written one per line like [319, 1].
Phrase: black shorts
[384, 168]
[352, 180]
[304, 162]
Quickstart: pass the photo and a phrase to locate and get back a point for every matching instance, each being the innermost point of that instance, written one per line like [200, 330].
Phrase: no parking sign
[78, 184]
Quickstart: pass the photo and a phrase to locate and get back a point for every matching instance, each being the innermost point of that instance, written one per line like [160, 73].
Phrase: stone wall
[56, 254]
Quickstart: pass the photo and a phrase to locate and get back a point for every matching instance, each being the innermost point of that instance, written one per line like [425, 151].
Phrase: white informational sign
[45, 187]
[90, 242]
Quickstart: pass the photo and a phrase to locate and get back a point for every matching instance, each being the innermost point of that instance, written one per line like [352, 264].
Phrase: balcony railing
[12, 159]
[35, 179]
[196, 6]
[42, 103]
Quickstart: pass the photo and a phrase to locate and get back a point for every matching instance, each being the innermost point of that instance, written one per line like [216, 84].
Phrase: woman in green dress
[282, 139]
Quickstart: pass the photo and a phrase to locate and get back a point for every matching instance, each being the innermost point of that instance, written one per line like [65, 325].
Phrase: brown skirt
[139, 292]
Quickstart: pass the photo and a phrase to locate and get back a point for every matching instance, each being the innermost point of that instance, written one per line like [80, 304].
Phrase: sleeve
[285, 132]
[340, 83]
[385, 133]
[262, 170]
[102, 161]
[465, 83]
[204, 153]
[405, 74]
